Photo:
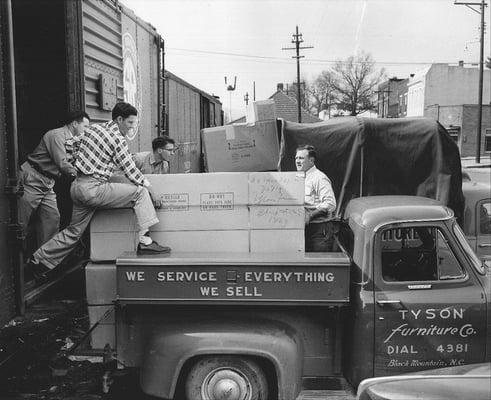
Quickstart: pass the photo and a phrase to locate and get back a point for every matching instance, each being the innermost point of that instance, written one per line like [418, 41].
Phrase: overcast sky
[208, 40]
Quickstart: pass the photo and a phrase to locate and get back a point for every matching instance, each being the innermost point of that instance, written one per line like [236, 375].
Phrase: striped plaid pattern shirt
[71, 147]
[102, 150]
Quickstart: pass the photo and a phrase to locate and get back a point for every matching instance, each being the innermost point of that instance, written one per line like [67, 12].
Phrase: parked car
[464, 382]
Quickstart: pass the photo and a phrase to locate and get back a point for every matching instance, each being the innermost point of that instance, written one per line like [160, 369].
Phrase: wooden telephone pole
[297, 39]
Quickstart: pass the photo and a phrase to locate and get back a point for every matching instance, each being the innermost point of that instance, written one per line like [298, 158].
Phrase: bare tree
[322, 93]
[354, 81]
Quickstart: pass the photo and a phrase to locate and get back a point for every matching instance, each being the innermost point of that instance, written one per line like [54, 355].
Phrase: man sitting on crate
[320, 202]
[157, 160]
[102, 149]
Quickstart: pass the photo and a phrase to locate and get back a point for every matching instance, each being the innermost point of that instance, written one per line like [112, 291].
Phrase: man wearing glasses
[157, 160]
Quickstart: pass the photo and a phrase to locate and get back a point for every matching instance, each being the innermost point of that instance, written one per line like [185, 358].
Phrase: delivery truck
[404, 292]
[239, 311]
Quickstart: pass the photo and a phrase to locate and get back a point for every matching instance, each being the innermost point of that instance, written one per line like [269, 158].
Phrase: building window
[487, 141]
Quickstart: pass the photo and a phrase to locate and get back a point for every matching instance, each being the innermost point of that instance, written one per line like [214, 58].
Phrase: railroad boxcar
[84, 54]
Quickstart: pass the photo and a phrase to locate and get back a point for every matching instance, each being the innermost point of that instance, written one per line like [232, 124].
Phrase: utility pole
[254, 91]
[482, 5]
[297, 39]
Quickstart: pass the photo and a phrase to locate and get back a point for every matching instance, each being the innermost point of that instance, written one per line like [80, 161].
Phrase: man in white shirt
[320, 202]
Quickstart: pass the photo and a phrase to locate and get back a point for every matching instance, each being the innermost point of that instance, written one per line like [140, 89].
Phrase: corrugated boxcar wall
[183, 110]
[120, 64]
[140, 76]
[7, 305]
[103, 58]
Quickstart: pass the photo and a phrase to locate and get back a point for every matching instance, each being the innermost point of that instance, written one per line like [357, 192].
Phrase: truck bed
[231, 278]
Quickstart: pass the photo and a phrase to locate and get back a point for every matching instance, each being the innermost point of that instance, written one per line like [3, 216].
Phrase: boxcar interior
[41, 76]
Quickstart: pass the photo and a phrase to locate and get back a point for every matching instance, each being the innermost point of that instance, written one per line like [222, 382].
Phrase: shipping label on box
[276, 217]
[241, 147]
[277, 188]
[175, 201]
[216, 201]
[181, 191]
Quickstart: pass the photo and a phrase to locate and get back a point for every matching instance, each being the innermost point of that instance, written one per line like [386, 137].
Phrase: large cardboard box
[109, 246]
[205, 241]
[241, 147]
[201, 201]
[262, 110]
[276, 188]
[100, 283]
[277, 241]
[276, 217]
[105, 332]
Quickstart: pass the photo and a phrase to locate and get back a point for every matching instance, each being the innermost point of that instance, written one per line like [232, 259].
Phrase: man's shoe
[152, 248]
[39, 271]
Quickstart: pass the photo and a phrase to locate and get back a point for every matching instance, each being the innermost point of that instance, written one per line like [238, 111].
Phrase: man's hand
[308, 216]
[156, 201]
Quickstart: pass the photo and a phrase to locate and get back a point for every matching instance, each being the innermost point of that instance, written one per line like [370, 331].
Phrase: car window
[477, 264]
[418, 254]
[485, 218]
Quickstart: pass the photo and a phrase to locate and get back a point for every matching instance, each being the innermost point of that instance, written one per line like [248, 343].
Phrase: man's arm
[55, 144]
[125, 161]
[326, 197]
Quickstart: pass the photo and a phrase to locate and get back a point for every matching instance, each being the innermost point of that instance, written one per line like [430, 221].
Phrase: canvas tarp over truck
[368, 156]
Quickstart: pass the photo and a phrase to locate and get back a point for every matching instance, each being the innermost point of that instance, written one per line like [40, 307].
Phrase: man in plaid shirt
[102, 149]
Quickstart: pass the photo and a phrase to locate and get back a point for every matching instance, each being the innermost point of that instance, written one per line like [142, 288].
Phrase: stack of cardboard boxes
[240, 210]
[216, 212]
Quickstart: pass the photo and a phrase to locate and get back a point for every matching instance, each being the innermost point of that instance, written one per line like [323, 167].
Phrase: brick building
[392, 98]
[461, 123]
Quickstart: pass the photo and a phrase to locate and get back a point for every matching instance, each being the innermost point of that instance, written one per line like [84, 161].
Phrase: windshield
[478, 265]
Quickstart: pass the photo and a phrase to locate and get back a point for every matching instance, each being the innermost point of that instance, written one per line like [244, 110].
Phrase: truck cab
[420, 294]
[404, 292]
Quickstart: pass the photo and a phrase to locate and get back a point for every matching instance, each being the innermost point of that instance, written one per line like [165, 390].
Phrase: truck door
[429, 306]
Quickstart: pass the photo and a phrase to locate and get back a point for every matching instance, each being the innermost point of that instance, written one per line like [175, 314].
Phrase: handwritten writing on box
[277, 217]
[276, 188]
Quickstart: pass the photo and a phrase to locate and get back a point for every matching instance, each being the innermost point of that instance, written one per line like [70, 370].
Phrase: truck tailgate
[230, 278]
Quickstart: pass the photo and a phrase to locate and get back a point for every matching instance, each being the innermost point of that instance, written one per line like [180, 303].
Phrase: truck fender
[172, 345]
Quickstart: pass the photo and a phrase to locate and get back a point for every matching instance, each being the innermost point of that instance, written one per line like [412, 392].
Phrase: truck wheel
[226, 378]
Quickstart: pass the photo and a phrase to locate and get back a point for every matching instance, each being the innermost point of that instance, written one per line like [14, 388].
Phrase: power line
[314, 60]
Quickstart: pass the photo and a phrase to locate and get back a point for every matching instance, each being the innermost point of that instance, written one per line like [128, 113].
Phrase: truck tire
[226, 378]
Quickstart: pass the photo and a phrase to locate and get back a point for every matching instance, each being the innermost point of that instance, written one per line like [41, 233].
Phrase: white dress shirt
[319, 194]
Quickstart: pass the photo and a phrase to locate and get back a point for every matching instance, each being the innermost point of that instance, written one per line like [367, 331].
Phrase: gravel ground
[34, 353]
